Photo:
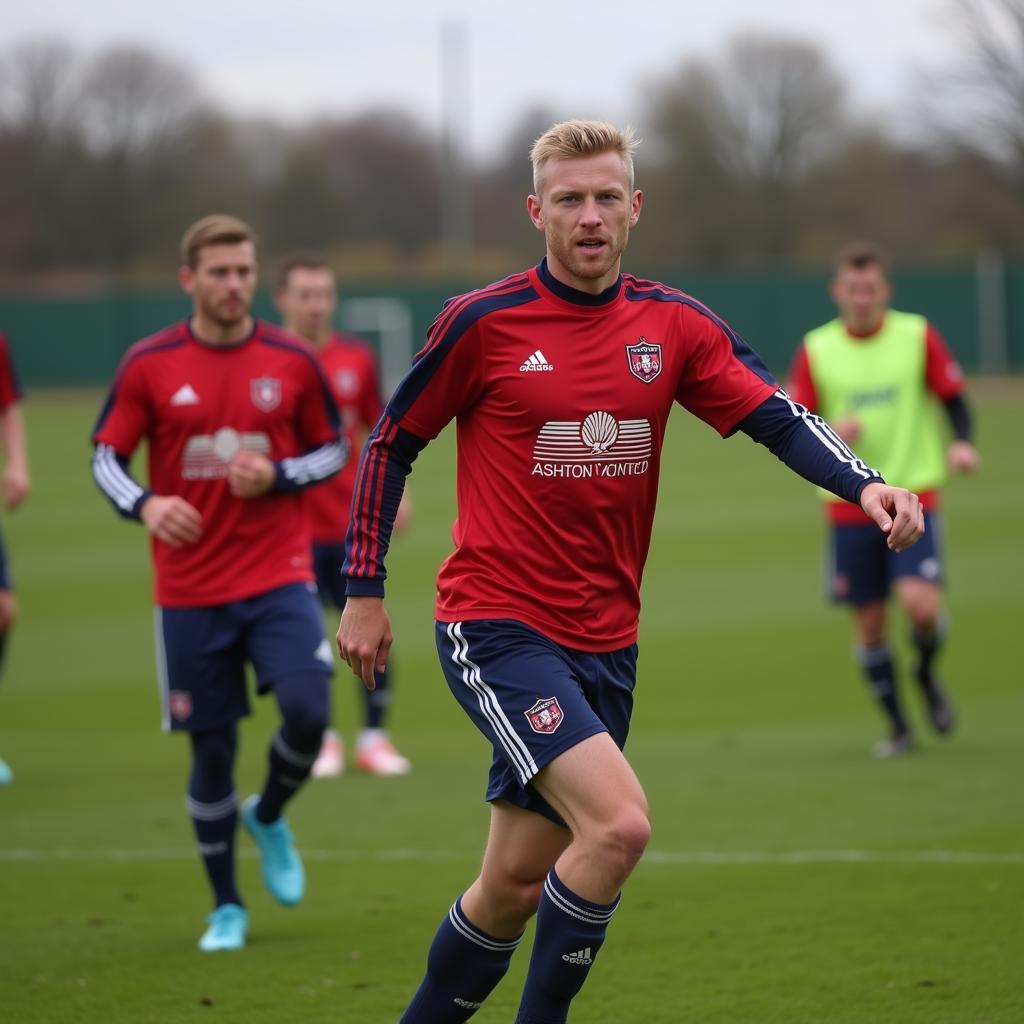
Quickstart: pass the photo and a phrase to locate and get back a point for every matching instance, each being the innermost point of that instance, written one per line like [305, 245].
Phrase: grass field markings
[653, 858]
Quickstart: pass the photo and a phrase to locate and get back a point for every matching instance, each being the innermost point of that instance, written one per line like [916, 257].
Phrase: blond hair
[216, 229]
[571, 139]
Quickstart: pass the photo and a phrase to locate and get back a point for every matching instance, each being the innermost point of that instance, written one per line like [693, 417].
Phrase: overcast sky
[309, 57]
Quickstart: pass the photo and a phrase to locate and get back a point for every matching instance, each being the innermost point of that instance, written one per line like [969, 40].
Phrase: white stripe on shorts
[518, 753]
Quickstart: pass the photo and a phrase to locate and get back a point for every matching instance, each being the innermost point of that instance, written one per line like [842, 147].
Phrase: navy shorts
[202, 653]
[862, 568]
[327, 562]
[533, 699]
[6, 583]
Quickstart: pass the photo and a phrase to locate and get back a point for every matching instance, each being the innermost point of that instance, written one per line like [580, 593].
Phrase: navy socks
[213, 807]
[463, 966]
[876, 661]
[570, 931]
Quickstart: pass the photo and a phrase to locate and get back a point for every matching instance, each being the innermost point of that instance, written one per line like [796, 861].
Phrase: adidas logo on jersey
[581, 956]
[537, 363]
[185, 395]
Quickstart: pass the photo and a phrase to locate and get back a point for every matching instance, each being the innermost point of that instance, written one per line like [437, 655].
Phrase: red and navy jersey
[10, 388]
[561, 400]
[350, 366]
[197, 405]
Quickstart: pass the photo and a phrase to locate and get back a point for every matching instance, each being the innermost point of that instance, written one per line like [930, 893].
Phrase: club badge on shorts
[644, 360]
[180, 703]
[545, 716]
[265, 393]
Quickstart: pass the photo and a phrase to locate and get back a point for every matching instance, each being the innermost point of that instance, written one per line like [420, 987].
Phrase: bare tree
[985, 93]
[735, 137]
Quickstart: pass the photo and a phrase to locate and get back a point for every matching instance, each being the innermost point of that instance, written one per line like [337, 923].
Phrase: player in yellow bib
[879, 377]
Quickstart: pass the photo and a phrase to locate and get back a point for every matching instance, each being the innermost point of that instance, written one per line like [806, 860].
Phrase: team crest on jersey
[545, 716]
[265, 393]
[180, 703]
[644, 360]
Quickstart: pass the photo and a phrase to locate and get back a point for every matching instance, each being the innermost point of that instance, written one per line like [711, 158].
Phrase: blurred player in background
[307, 298]
[561, 380]
[15, 489]
[238, 420]
[878, 376]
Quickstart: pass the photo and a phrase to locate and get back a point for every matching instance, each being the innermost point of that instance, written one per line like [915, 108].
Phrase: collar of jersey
[574, 295]
[221, 348]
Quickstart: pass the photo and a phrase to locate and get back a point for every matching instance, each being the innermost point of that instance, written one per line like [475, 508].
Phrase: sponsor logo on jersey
[207, 456]
[644, 360]
[536, 363]
[180, 704]
[265, 393]
[185, 395]
[545, 716]
[600, 446]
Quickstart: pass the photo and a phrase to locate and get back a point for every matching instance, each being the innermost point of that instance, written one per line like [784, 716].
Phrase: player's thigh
[285, 634]
[328, 560]
[521, 691]
[858, 567]
[200, 667]
[592, 785]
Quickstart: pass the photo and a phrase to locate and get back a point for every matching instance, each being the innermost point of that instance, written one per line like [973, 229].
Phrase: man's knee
[516, 896]
[623, 840]
[305, 706]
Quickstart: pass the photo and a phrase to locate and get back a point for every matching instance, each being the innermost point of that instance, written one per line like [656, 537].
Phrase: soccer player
[238, 419]
[560, 379]
[879, 376]
[307, 297]
[16, 486]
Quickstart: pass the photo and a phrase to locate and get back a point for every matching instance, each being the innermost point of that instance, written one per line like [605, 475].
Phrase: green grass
[791, 878]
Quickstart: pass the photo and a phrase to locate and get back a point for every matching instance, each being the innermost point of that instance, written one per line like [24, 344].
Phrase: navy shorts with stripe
[533, 698]
[202, 653]
[862, 568]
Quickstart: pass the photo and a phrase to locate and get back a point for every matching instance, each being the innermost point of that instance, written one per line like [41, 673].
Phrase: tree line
[751, 157]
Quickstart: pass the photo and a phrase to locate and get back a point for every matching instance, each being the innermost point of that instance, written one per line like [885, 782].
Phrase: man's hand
[848, 429]
[172, 519]
[251, 475]
[963, 457]
[897, 512]
[364, 637]
[16, 485]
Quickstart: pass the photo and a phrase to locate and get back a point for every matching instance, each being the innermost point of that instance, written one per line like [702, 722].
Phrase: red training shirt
[197, 404]
[561, 401]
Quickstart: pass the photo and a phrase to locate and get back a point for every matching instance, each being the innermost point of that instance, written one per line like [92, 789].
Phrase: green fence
[61, 340]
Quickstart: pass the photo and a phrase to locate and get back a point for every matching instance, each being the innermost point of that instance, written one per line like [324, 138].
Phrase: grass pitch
[790, 879]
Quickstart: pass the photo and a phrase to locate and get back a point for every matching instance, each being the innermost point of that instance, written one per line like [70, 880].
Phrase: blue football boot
[228, 926]
[282, 869]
